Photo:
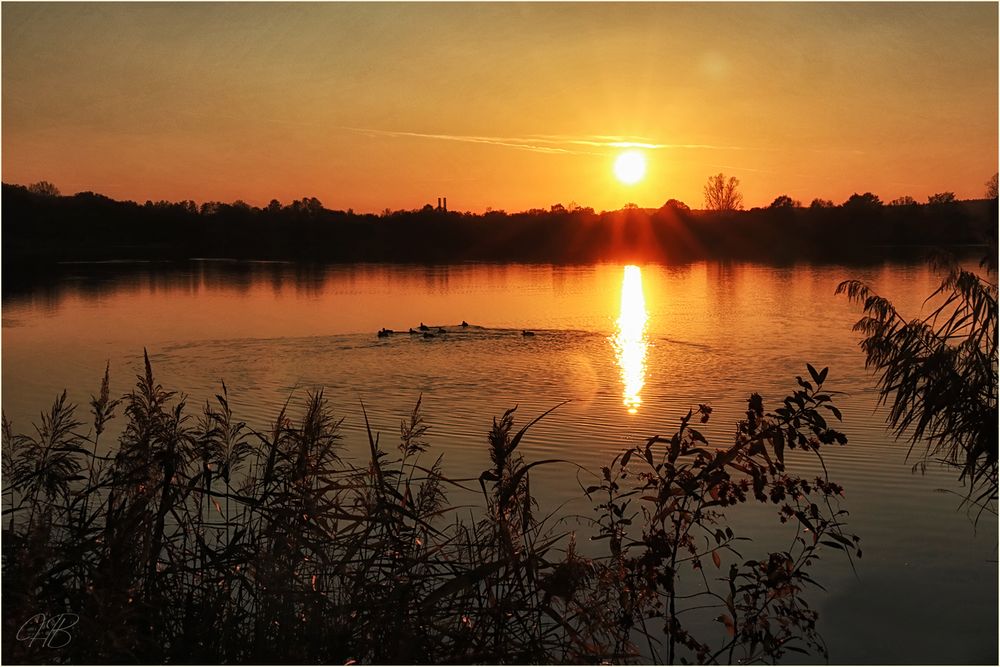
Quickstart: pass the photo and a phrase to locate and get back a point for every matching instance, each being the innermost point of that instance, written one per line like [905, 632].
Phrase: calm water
[631, 348]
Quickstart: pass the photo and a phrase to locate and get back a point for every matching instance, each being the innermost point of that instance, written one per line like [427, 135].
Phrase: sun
[630, 167]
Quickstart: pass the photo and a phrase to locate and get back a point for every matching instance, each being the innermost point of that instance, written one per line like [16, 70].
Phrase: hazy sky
[509, 106]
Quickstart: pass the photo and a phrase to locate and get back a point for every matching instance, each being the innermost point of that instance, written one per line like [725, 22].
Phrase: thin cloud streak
[549, 143]
[522, 144]
[612, 141]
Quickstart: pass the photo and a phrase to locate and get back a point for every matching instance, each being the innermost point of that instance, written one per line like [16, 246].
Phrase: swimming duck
[424, 327]
[527, 333]
[464, 323]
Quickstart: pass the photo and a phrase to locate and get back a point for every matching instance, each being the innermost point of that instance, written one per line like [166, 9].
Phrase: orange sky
[509, 106]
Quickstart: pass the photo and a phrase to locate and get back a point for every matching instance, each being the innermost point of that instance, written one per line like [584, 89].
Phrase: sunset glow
[368, 106]
[630, 339]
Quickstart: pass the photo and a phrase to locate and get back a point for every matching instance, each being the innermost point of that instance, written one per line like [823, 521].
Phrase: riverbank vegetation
[195, 538]
[40, 226]
[938, 374]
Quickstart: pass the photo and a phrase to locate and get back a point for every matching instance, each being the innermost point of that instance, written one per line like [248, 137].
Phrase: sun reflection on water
[630, 338]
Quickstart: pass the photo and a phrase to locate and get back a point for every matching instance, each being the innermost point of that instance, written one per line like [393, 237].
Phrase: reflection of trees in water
[95, 280]
[92, 281]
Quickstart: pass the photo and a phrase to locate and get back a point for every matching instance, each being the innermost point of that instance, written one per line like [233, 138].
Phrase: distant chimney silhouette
[444, 204]
[439, 204]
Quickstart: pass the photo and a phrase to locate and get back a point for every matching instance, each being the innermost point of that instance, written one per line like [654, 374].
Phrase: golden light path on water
[630, 338]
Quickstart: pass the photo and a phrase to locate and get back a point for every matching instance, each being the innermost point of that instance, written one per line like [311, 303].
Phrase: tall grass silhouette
[202, 540]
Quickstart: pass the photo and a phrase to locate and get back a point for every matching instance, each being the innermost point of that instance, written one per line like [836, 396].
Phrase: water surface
[630, 347]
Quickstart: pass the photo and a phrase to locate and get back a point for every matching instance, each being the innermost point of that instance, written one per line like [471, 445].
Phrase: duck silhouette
[527, 333]
[424, 327]
[464, 323]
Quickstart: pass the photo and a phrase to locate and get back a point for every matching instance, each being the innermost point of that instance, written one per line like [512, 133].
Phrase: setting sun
[630, 167]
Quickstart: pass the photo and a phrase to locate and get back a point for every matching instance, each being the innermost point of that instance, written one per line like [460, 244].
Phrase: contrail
[506, 142]
[549, 143]
[611, 141]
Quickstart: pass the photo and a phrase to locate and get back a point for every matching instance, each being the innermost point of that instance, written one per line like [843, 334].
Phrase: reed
[938, 374]
[202, 540]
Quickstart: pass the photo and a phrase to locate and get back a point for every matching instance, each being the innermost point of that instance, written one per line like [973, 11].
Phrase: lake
[631, 348]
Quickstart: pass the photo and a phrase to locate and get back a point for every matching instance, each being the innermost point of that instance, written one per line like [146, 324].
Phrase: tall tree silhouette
[721, 194]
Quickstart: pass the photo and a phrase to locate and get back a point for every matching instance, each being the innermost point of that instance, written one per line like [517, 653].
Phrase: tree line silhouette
[42, 227]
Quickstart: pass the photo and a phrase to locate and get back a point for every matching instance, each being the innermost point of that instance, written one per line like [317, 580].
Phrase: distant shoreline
[45, 230]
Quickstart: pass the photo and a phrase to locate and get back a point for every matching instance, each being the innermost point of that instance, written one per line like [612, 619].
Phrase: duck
[382, 333]
[424, 327]
[527, 333]
[413, 331]
[441, 330]
[464, 323]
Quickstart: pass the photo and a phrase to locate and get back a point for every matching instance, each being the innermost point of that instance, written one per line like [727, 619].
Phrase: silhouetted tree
[676, 205]
[942, 198]
[721, 193]
[313, 206]
[821, 203]
[865, 202]
[784, 201]
[903, 201]
[557, 209]
[44, 188]
[991, 187]
[93, 197]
